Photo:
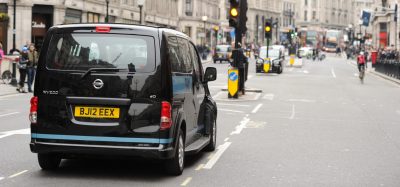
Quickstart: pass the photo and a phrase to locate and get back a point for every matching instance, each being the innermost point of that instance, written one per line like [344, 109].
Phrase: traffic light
[243, 16]
[289, 35]
[268, 29]
[233, 13]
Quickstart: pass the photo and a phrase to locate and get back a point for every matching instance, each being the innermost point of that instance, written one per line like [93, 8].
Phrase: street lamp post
[204, 19]
[14, 66]
[107, 2]
[140, 4]
[276, 26]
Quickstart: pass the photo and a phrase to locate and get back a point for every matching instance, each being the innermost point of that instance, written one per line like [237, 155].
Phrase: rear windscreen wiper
[100, 70]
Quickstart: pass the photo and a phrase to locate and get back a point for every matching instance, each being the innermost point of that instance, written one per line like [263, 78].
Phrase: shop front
[42, 20]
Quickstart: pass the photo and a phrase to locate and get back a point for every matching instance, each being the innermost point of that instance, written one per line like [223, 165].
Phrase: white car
[305, 51]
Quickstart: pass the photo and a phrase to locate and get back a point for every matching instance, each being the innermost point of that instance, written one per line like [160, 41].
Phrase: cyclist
[361, 61]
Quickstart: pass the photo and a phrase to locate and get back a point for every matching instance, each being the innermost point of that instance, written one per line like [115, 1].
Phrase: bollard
[233, 83]
[267, 65]
[291, 61]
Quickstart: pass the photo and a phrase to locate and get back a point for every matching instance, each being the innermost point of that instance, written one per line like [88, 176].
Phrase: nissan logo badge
[98, 84]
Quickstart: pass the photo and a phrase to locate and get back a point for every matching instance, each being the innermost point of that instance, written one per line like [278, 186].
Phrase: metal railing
[388, 66]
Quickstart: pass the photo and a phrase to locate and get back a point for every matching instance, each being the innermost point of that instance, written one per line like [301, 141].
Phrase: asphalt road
[310, 126]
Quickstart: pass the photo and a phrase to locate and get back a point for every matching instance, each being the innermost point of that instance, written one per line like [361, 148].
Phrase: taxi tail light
[103, 29]
[166, 120]
[33, 110]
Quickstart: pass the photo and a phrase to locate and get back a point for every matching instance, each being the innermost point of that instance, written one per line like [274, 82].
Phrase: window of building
[188, 8]
[314, 15]
[305, 2]
[93, 17]
[188, 31]
[305, 15]
[72, 16]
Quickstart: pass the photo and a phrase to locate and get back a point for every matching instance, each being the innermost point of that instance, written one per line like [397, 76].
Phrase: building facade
[332, 14]
[199, 19]
[35, 17]
[258, 12]
[385, 31]
[288, 20]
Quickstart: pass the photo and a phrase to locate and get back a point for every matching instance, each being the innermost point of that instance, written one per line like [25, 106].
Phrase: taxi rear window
[82, 51]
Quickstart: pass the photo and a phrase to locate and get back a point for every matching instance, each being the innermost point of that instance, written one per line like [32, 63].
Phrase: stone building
[35, 17]
[385, 31]
[200, 20]
[259, 11]
[326, 14]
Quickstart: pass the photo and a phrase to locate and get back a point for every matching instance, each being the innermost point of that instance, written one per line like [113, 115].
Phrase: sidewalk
[6, 89]
[371, 70]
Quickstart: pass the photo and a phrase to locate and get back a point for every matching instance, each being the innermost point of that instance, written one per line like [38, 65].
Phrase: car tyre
[280, 70]
[213, 137]
[49, 161]
[175, 165]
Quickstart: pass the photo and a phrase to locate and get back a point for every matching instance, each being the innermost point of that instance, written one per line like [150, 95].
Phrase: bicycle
[6, 75]
[362, 74]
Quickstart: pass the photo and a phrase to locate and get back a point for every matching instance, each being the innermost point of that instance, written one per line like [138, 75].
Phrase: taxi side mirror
[210, 75]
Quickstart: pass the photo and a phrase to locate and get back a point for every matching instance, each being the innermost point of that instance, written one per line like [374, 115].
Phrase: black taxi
[121, 90]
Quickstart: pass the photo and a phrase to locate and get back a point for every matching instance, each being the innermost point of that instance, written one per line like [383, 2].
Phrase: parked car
[121, 90]
[273, 62]
[222, 53]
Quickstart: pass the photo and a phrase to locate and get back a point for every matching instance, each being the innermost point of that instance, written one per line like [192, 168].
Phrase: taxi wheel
[49, 161]
[213, 137]
[175, 165]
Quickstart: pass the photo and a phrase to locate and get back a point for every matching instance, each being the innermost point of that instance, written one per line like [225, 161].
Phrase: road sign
[233, 83]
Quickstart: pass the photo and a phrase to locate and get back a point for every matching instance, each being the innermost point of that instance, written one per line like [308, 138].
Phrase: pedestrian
[1, 53]
[22, 66]
[32, 64]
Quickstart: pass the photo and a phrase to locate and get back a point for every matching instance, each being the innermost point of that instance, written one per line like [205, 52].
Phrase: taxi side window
[196, 62]
[173, 50]
[186, 56]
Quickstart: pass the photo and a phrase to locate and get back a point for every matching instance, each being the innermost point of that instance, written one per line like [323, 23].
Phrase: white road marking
[257, 96]
[239, 128]
[398, 112]
[226, 139]
[228, 110]
[19, 173]
[221, 149]
[256, 108]
[250, 76]
[293, 112]
[1, 178]
[333, 73]
[269, 96]
[227, 104]
[291, 69]
[8, 114]
[210, 156]
[13, 95]
[199, 167]
[302, 100]
[186, 182]
[305, 71]
[14, 132]
[217, 86]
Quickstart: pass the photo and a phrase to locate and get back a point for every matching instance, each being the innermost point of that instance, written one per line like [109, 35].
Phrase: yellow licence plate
[96, 112]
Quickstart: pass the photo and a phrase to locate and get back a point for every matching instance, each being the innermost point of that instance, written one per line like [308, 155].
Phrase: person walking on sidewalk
[22, 66]
[32, 64]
